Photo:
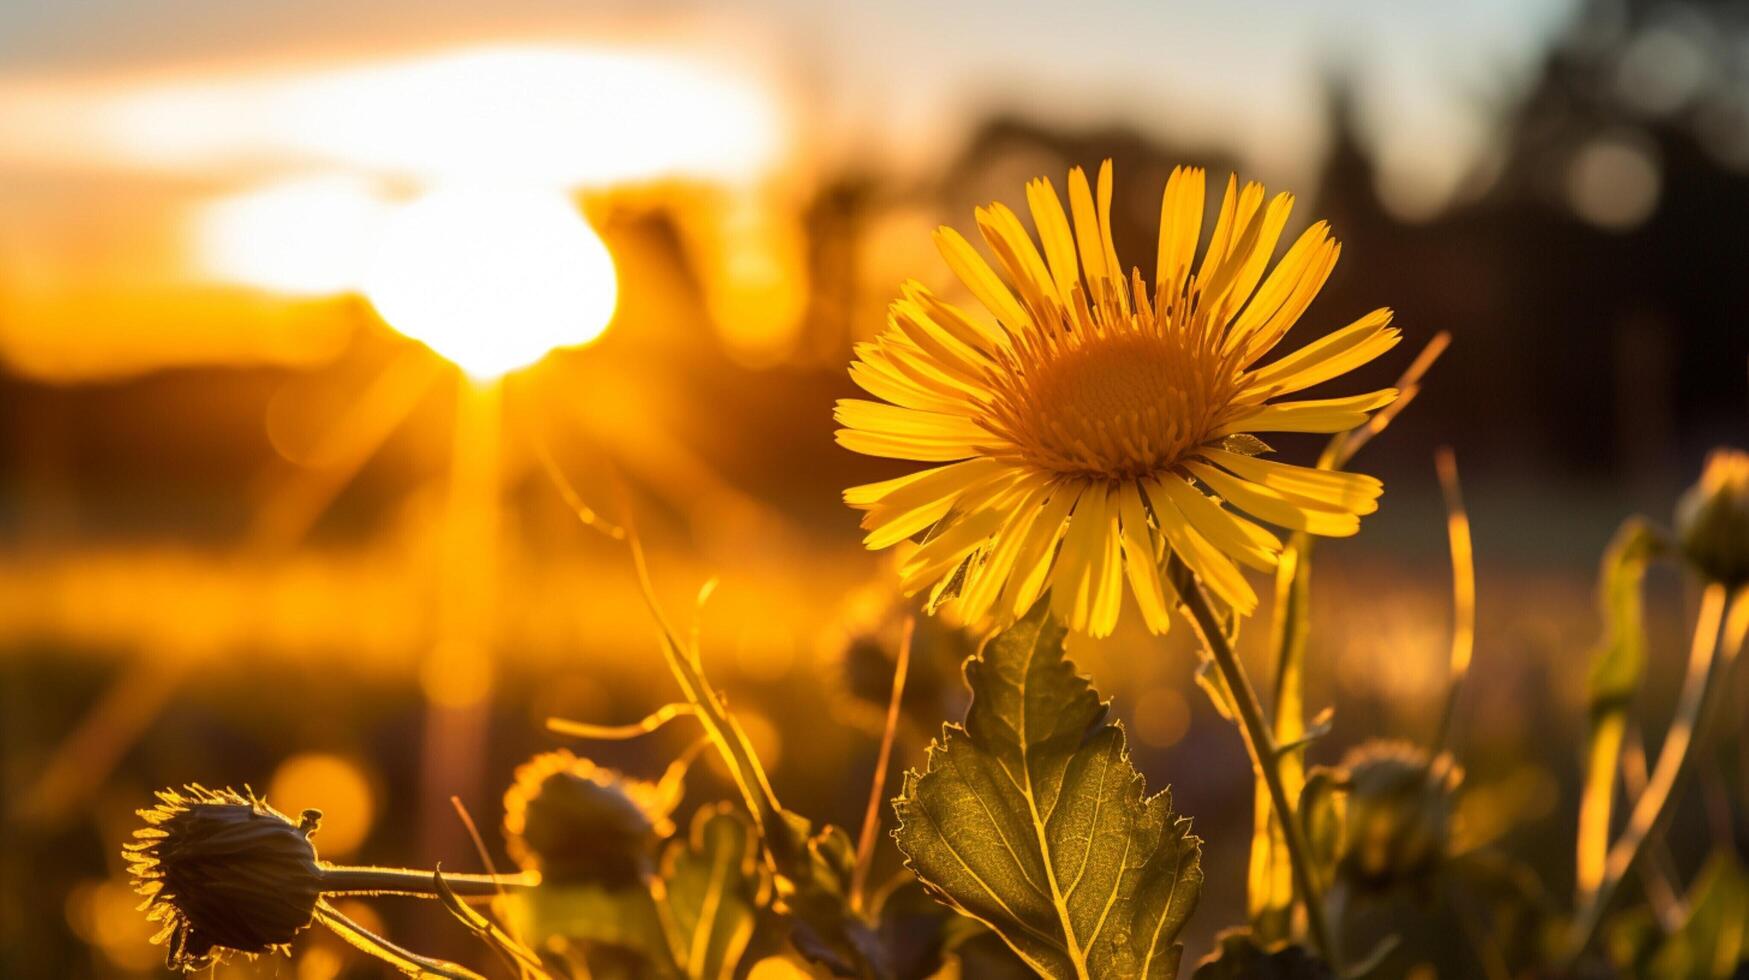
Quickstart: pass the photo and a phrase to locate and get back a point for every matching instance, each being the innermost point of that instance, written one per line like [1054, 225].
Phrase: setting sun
[493, 278]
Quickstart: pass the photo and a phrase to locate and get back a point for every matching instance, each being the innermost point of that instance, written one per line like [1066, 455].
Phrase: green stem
[1674, 761]
[405, 881]
[402, 959]
[1260, 741]
[782, 850]
[871, 818]
[703, 700]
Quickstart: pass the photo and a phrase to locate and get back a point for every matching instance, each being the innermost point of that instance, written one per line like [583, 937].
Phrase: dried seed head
[223, 872]
[574, 821]
[1712, 519]
[1398, 814]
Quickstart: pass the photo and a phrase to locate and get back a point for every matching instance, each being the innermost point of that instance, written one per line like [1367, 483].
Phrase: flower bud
[1398, 813]
[223, 872]
[1712, 519]
[574, 821]
[867, 649]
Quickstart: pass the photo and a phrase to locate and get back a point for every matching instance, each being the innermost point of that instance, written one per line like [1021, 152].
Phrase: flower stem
[871, 818]
[402, 959]
[422, 884]
[1674, 759]
[1260, 741]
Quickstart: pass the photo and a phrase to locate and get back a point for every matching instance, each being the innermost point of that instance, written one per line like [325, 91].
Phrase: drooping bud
[575, 821]
[1397, 818]
[223, 872]
[1712, 519]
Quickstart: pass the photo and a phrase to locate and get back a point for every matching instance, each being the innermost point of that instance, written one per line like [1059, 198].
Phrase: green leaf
[921, 936]
[712, 887]
[1239, 956]
[985, 956]
[519, 958]
[617, 929]
[811, 871]
[1322, 815]
[1617, 665]
[1630, 939]
[1031, 819]
[1714, 941]
[915, 929]
[1245, 444]
[404, 960]
[950, 585]
[1215, 686]
[1620, 659]
[824, 927]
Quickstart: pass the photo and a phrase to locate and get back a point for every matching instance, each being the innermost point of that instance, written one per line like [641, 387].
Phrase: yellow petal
[1283, 279]
[922, 367]
[1356, 493]
[1306, 289]
[1203, 558]
[954, 355]
[1180, 229]
[978, 277]
[1054, 234]
[974, 332]
[1034, 562]
[1087, 236]
[871, 416]
[1227, 531]
[984, 585]
[1262, 250]
[912, 488]
[1006, 237]
[978, 513]
[1154, 596]
[1223, 233]
[900, 508]
[1330, 356]
[959, 537]
[1238, 208]
[1109, 248]
[1272, 505]
[1086, 570]
[1312, 415]
[916, 448]
[879, 379]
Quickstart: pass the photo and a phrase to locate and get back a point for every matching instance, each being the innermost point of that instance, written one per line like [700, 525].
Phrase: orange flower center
[1113, 403]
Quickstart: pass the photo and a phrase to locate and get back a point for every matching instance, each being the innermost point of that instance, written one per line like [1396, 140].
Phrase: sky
[899, 81]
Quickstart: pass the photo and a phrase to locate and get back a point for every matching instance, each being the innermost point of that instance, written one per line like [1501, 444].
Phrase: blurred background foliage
[254, 535]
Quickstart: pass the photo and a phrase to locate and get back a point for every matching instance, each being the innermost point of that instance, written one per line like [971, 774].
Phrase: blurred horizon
[894, 82]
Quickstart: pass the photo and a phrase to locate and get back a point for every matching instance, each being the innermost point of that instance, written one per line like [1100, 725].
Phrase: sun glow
[550, 114]
[270, 189]
[307, 236]
[492, 278]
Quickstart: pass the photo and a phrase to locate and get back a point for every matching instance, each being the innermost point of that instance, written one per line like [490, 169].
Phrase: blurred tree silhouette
[1588, 268]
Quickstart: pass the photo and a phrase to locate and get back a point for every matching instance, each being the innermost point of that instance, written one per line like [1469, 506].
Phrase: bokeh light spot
[766, 739]
[103, 914]
[1613, 182]
[335, 785]
[1161, 717]
[320, 963]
